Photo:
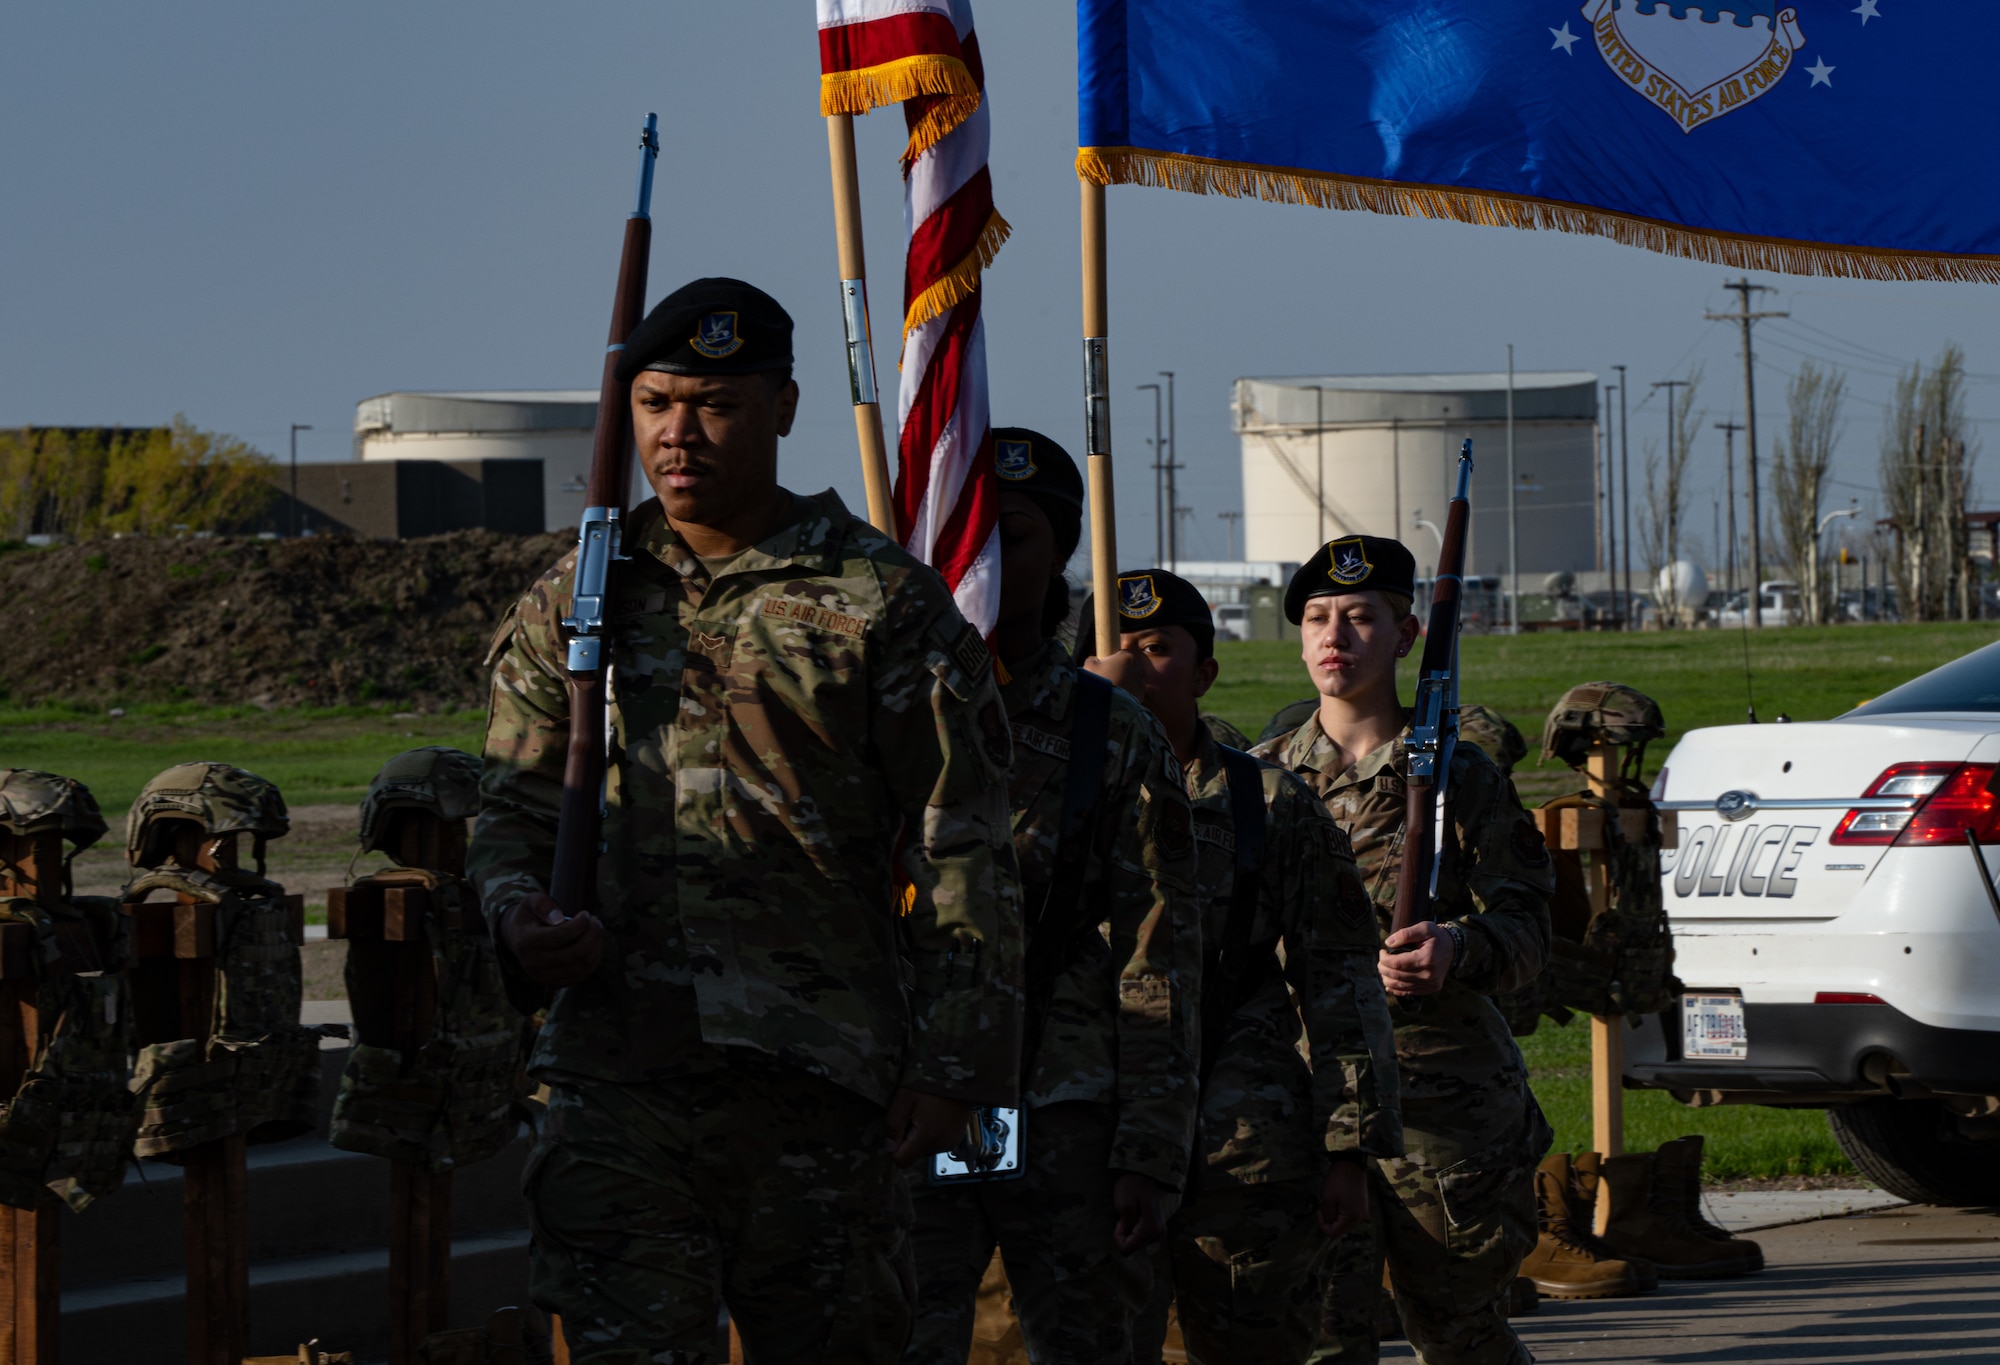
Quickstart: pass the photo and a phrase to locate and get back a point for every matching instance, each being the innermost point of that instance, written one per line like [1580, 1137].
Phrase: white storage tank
[1389, 446]
[551, 425]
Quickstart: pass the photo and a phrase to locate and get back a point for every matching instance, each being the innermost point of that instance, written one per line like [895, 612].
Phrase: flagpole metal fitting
[860, 341]
[1097, 396]
[596, 547]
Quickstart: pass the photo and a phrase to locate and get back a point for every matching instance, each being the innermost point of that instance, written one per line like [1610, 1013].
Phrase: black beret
[712, 326]
[1151, 598]
[1029, 462]
[1352, 564]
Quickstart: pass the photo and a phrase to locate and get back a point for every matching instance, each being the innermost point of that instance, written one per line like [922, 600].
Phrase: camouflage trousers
[1073, 1290]
[754, 1185]
[1242, 1268]
[1453, 1236]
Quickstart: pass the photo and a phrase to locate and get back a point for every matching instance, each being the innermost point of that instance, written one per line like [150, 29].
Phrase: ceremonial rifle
[1434, 729]
[580, 826]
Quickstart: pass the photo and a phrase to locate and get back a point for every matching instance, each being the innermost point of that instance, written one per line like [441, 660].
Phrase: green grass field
[329, 755]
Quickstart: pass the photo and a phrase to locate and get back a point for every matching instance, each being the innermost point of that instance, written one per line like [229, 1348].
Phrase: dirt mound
[323, 620]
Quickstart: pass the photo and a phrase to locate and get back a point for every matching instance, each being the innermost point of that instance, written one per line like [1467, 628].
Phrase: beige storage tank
[1388, 446]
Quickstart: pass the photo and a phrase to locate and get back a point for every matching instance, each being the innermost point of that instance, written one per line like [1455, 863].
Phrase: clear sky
[260, 213]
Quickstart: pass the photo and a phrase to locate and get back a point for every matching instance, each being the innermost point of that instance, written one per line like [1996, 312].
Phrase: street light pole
[297, 427]
[1173, 464]
[1513, 514]
[1159, 513]
[1610, 506]
[1831, 517]
[1624, 497]
[1319, 455]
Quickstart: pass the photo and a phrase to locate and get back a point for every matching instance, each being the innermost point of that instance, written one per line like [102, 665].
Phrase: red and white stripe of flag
[925, 54]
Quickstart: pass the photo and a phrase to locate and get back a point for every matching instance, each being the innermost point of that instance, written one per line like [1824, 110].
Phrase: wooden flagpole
[1097, 420]
[854, 305]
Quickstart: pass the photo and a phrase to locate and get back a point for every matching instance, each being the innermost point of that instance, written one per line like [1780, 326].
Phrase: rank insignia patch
[1350, 562]
[1136, 597]
[1014, 460]
[716, 336]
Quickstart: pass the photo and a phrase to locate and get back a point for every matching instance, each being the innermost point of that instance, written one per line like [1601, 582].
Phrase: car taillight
[1848, 998]
[1950, 798]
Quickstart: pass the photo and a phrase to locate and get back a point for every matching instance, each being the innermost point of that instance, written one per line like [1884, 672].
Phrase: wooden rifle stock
[1434, 727]
[580, 824]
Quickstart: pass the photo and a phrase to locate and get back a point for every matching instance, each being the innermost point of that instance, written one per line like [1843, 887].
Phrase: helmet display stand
[395, 1006]
[1584, 831]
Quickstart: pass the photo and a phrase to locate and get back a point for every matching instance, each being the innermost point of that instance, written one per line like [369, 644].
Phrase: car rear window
[1968, 684]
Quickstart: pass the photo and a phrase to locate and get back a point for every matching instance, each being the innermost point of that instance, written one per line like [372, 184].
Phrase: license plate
[990, 1150]
[1712, 1027]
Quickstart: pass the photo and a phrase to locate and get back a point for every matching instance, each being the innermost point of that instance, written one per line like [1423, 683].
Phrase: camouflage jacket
[1265, 1114]
[1123, 1024]
[776, 735]
[1495, 887]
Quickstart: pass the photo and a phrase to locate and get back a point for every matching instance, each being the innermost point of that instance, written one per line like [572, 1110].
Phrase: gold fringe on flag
[944, 293]
[1321, 189]
[906, 78]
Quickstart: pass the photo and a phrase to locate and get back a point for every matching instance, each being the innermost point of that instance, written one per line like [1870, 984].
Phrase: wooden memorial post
[396, 1007]
[31, 866]
[1583, 831]
[173, 996]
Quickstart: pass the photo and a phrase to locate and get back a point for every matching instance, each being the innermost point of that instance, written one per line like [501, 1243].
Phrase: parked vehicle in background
[1778, 605]
[1837, 926]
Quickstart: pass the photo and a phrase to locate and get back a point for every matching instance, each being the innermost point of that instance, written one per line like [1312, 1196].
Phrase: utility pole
[297, 427]
[1319, 455]
[1743, 316]
[1173, 463]
[1159, 485]
[1610, 507]
[1229, 520]
[1625, 495]
[1729, 430]
[1513, 513]
[1673, 546]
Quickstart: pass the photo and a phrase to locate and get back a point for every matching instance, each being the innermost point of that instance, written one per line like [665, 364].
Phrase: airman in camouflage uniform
[1282, 1143]
[1111, 1092]
[1455, 1216]
[746, 1031]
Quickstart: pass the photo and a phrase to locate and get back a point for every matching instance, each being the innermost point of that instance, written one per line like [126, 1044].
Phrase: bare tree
[1926, 474]
[1660, 527]
[1800, 462]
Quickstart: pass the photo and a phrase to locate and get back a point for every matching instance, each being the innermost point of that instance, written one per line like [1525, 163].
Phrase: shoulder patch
[970, 653]
[1529, 845]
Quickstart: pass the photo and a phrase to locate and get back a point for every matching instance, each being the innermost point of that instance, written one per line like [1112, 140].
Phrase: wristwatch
[1457, 932]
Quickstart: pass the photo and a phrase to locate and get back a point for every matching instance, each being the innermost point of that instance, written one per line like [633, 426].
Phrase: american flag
[925, 55]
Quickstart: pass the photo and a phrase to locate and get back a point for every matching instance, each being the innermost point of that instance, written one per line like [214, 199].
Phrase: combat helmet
[1600, 713]
[32, 802]
[1497, 736]
[219, 798]
[441, 781]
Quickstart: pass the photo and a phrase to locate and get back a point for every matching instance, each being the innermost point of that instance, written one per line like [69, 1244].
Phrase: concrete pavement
[1902, 1284]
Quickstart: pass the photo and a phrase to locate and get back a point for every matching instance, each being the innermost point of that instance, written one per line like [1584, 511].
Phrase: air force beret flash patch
[1136, 598]
[1153, 599]
[715, 336]
[1352, 564]
[1014, 461]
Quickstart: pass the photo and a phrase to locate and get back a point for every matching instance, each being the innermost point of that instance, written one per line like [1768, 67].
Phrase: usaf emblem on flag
[716, 337]
[1696, 66]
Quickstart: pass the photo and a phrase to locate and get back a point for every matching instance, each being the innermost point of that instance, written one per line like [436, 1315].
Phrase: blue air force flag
[1812, 136]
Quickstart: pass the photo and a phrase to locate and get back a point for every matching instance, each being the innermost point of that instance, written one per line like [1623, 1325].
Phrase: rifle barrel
[580, 824]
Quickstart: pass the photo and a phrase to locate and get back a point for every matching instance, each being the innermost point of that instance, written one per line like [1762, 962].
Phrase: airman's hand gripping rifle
[1434, 728]
[580, 828]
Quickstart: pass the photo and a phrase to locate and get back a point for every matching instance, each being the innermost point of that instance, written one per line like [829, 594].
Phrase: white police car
[1837, 928]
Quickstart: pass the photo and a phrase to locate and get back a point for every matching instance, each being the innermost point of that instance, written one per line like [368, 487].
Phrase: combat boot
[1585, 1179]
[1632, 1223]
[1562, 1266]
[1679, 1182]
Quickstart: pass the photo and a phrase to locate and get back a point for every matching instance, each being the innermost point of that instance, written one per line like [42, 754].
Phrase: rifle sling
[1236, 967]
[1058, 928]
